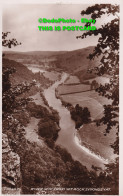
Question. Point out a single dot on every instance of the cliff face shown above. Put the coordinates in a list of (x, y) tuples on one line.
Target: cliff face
[(11, 176)]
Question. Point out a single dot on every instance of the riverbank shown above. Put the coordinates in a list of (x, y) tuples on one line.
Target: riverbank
[(40, 99), (58, 155), (66, 136), (90, 137), (87, 147)]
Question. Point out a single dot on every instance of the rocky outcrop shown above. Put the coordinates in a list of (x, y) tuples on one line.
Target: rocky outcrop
[(11, 176)]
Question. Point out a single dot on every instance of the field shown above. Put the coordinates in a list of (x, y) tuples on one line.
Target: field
[(90, 99), (53, 76), (93, 137), (93, 105), (64, 89), (72, 79), (38, 100)]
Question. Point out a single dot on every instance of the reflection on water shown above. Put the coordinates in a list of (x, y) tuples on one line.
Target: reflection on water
[(67, 133)]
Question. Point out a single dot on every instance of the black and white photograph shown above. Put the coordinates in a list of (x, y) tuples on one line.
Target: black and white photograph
[(60, 98)]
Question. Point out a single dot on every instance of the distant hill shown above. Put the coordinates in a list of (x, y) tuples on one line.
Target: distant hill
[(77, 63), (22, 73), (74, 62), (14, 55)]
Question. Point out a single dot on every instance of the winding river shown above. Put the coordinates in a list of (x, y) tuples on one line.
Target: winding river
[(67, 135)]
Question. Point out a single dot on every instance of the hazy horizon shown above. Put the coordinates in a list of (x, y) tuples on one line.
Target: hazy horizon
[(46, 50)]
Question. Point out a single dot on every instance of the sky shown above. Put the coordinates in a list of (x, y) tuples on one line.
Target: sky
[(22, 21)]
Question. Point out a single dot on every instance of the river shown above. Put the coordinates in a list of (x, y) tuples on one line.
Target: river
[(67, 135)]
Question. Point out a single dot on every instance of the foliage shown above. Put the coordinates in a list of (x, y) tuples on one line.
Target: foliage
[(7, 42), (48, 128), (48, 125), (66, 157), (36, 111), (10, 96), (80, 115), (11, 101), (108, 49), (42, 79)]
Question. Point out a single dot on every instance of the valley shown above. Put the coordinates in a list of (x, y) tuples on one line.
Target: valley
[(50, 135)]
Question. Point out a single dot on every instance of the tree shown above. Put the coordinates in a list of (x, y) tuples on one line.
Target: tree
[(10, 94), (80, 115), (86, 115), (107, 49), (7, 42)]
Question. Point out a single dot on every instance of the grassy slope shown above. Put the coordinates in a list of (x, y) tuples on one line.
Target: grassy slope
[(23, 74), (53, 76), (72, 79), (76, 62), (94, 136), (73, 88), (91, 135)]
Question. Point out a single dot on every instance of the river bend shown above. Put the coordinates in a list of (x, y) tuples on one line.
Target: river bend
[(67, 135)]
